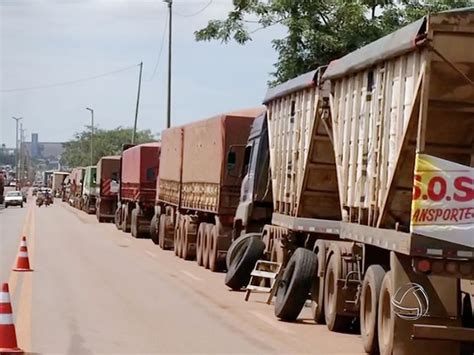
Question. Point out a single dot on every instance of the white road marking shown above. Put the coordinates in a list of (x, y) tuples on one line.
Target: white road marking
[(271, 321), (187, 273), (151, 254)]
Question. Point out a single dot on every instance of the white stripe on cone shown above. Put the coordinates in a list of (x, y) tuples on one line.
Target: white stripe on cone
[(4, 297), (23, 254), (6, 319), (23, 243)]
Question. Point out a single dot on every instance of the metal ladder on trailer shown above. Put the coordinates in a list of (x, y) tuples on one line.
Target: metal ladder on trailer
[(264, 272)]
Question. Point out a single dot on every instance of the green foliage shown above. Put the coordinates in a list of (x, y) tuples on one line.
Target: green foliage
[(319, 31), (105, 142)]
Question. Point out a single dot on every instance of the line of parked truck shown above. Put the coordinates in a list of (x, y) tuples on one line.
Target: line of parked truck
[(357, 178)]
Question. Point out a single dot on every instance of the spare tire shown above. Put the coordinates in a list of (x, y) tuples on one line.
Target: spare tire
[(243, 262), (295, 284), (240, 242)]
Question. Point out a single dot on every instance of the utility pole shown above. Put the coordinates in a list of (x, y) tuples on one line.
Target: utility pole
[(92, 133), (138, 103), (17, 119), (168, 116), (22, 154)]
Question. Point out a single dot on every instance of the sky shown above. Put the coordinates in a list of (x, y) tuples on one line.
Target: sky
[(45, 42)]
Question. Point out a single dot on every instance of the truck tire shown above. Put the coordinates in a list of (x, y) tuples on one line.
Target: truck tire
[(369, 302), (295, 284), (117, 221), (334, 321), (161, 232), (134, 223), (177, 237), (246, 255), (189, 239), (212, 247), (200, 243), (154, 228), (317, 289), (125, 217), (207, 241), (385, 317), (240, 242)]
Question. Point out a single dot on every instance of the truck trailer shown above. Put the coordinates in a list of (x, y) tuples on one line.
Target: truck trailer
[(108, 171), (138, 173), (376, 226), (402, 115), (199, 183), (89, 189), (58, 178), (75, 188)]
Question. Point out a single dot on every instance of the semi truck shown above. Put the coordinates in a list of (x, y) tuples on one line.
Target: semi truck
[(89, 189), (198, 188), (138, 173), (58, 178), (373, 196), (108, 170), (75, 188)]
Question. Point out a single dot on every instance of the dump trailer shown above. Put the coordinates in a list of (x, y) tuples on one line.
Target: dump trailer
[(199, 185), (89, 189), (402, 117), (138, 173), (294, 168), (108, 171), (75, 194), (57, 182)]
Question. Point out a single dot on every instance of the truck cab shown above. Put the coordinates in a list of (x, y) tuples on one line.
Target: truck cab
[(255, 206), (89, 190)]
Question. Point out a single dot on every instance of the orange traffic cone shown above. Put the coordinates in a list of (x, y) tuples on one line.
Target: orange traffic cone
[(22, 262), (8, 342)]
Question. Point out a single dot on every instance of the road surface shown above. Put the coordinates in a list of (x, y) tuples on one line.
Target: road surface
[(95, 289)]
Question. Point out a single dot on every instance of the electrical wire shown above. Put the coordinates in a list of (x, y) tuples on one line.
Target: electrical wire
[(161, 49), (195, 13), (65, 83)]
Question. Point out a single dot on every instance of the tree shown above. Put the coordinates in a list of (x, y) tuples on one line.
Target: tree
[(318, 31), (106, 142)]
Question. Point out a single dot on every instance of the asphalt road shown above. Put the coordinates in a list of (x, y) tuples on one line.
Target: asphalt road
[(98, 290)]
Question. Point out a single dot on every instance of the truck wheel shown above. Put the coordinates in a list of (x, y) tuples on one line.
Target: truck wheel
[(295, 284), (207, 242), (161, 232), (369, 302), (317, 289), (385, 317), (189, 239), (134, 223), (125, 218), (240, 242), (246, 255), (154, 229), (177, 237), (334, 321), (118, 222), (200, 243), (212, 247)]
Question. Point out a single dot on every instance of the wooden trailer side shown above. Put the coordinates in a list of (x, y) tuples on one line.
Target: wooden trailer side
[(302, 163)]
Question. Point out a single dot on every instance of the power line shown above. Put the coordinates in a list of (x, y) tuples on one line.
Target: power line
[(64, 83), (160, 50), (197, 12)]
